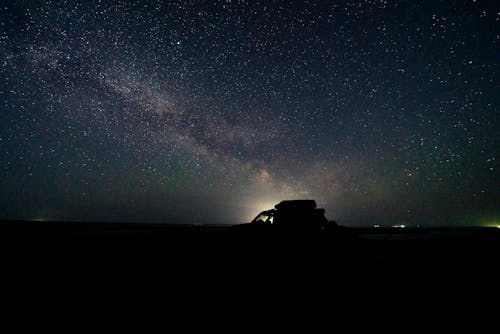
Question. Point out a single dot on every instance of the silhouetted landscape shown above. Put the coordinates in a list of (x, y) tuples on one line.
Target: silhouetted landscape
[(416, 275), (161, 252)]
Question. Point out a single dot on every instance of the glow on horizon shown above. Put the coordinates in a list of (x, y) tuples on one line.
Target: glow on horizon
[(492, 224), (39, 219), (255, 208)]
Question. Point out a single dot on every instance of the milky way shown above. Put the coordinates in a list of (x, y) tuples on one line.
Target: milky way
[(384, 112)]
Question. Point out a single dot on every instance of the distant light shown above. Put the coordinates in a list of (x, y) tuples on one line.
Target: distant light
[(376, 225), (492, 224), (399, 226), (253, 209), (497, 226)]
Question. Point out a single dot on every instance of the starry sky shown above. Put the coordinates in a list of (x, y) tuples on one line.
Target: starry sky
[(207, 112)]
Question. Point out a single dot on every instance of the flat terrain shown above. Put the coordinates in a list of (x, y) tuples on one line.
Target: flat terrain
[(358, 267), (230, 253)]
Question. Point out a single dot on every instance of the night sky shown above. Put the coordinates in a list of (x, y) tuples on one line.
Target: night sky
[(384, 112)]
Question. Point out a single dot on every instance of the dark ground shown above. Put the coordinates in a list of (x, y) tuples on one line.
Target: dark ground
[(416, 273)]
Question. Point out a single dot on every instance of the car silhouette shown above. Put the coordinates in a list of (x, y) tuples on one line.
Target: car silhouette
[(291, 216)]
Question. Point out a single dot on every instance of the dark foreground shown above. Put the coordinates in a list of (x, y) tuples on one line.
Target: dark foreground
[(418, 272)]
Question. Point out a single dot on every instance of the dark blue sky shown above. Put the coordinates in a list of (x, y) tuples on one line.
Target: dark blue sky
[(385, 112)]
